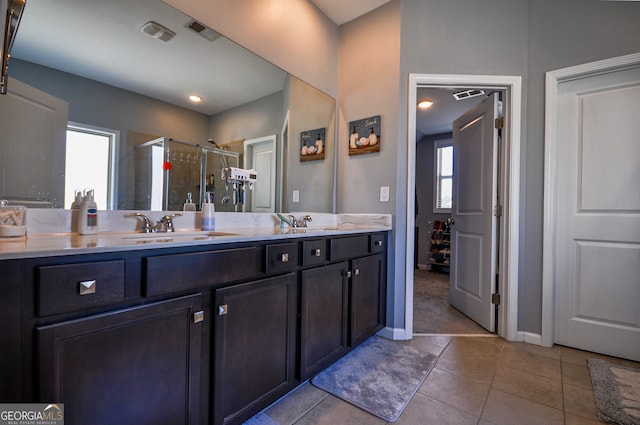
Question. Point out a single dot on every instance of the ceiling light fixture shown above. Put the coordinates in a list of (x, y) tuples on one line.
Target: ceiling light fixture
[(195, 98), (425, 104)]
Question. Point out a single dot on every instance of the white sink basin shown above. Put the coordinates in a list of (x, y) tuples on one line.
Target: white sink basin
[(168, 236)]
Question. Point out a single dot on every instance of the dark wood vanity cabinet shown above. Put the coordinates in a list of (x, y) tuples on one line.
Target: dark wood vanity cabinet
[(135, 366), (324, 311), (342, 303), (254, 354), (207, 334), (367, 298)]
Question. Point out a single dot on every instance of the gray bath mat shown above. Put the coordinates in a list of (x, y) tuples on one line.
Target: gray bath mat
[(617, 392), (379, 376)]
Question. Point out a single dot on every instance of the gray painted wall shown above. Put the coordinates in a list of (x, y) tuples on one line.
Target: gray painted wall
[(310, 109), (561, 34), (369, 57), (527, 38)]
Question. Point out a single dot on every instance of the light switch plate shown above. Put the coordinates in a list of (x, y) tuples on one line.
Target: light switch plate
[(384, 193), (296, 196)]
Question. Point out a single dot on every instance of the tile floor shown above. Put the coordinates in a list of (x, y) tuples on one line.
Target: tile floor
[(476, 381)]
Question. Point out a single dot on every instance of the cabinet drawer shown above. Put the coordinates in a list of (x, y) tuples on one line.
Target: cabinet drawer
[(314, 252), (71, 287), (281, 257), (376, 243), (177, 272), (349, 247)]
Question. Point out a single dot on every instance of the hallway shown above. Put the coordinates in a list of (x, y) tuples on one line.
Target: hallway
[(432, 313)]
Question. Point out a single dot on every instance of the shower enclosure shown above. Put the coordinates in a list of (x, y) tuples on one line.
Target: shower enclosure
[(166, 170)]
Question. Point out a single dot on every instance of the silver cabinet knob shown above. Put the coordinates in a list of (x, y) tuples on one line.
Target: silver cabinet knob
[(87, 287), (357, 272), (198, 316), (317, 252), (222, 309), (284, 258)]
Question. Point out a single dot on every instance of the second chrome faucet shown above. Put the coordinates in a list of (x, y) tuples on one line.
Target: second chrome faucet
[(165, 224)]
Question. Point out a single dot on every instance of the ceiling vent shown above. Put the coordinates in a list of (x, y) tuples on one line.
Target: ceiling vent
[(467, 94), (203, 30), (156, 30)]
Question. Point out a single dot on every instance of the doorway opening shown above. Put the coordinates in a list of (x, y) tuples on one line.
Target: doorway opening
[(507, 271), (439, 245), (260, 155)]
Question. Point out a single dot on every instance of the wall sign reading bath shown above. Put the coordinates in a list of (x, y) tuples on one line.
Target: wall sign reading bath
[(364, 136)]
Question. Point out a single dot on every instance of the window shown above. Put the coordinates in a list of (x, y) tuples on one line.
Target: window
[(443, 179), (90, 162)]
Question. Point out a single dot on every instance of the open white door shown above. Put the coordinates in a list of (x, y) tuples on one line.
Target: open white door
[(260, 155), (473, 241), (596, 262)]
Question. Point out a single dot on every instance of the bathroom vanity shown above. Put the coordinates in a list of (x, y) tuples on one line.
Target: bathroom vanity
[(183, 329)]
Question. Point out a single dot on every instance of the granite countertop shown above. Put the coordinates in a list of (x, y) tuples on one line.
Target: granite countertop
[(44, 241)]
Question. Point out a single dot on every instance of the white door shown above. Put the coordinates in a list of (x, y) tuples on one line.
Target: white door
[(32, 143), (597, 243), (473, 242), (260, 155)]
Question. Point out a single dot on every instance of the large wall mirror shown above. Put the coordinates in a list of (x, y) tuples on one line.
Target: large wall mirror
[(125, 70)]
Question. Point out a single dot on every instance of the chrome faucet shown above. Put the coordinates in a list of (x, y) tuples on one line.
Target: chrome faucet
[(294, 222), (164, 225), (302, 221)]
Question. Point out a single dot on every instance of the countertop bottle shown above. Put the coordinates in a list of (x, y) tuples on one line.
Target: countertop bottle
[(88, 217), (208, 221), (188, 204)]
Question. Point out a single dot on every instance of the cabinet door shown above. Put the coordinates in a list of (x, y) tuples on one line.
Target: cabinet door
[(324, 309), (135, 366), (255, 346), (367, 297)]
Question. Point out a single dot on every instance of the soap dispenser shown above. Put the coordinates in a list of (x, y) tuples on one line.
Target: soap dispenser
[(188, 204), (88, 219), (208, 221)]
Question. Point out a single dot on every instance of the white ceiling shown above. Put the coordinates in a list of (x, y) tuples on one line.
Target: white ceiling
[(439, 118), (342, 11)]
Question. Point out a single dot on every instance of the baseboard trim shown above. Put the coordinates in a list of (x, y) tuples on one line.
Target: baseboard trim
[(424, 266), (530, 338), (396, 334)]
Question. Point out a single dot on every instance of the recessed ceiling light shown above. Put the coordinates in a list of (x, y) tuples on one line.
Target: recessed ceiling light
[(425, 104), (195, 98)]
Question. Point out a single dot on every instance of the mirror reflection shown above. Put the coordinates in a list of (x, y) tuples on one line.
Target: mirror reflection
[(107, 71)]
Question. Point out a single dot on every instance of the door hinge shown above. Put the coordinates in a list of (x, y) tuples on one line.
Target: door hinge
[(495, 298), (499, 123), (497, 211)]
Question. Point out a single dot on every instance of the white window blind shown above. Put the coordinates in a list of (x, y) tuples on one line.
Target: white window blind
[(443, 181)]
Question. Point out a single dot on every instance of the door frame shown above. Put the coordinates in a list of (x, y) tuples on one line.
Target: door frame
[(248, 144), (553, 79), (509, 175)]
